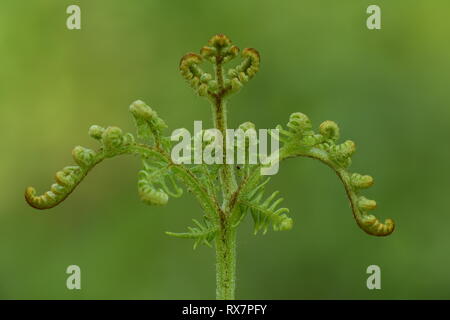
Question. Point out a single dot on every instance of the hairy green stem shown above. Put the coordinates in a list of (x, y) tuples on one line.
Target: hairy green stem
[(226, 239), (220, 122), (226, 263)]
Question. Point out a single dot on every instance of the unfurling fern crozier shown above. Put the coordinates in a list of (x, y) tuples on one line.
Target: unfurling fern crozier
[(226, 193)]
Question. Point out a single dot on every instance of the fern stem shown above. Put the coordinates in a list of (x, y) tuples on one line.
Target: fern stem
[(228, 179), (226, 263), (226, 237)]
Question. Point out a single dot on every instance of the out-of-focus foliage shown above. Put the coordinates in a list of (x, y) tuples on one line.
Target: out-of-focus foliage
[(387, 90)]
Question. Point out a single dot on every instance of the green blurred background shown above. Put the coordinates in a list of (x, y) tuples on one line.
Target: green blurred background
[(387, 89)]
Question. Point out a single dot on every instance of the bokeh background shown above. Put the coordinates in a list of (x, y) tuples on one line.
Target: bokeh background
[(387, 89)]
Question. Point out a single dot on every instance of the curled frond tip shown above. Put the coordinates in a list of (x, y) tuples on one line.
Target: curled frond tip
[(219, 51)]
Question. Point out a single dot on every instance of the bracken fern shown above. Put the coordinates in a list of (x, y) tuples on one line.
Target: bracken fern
[(242, 188)]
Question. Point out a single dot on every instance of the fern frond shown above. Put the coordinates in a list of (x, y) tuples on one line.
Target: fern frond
[(198, 79), (266, 212), (301, 141), (219, 51), (152, 185), (201, 233), (113, 142), (242, 73), (148, 123)]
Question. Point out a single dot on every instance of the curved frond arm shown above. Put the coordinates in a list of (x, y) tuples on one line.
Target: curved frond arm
[(66, 181), (198, 79), (245, 71), (301, 141), (114, 143), (201, 233)]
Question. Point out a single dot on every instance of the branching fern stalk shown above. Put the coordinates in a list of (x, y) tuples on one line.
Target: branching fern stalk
[(242, 188)]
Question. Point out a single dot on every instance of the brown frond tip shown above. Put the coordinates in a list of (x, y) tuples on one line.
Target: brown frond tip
[(189, 59), (208, 52), (219, 47), (251, 53), (219, 41)]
